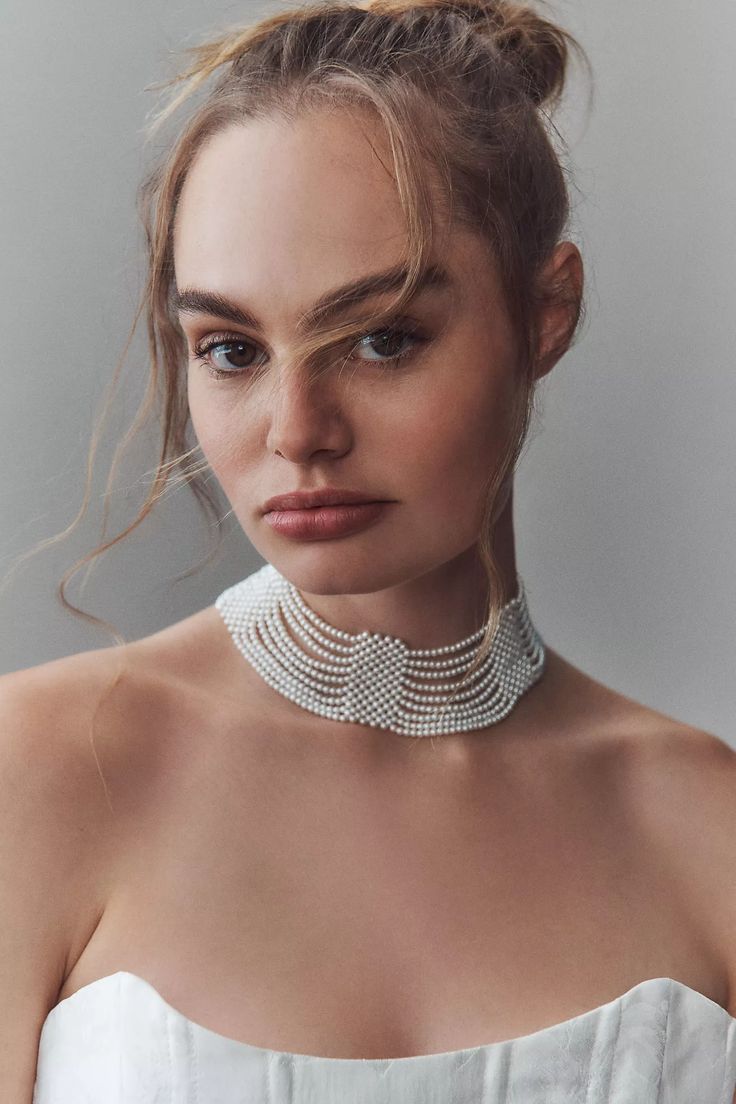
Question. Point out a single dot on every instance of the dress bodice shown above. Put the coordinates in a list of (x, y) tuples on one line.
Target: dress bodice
[(117, 1040)]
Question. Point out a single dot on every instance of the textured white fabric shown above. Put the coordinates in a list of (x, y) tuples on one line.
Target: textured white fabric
[(117, 1041)]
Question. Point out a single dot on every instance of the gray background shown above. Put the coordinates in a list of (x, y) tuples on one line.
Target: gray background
[(625, 495)]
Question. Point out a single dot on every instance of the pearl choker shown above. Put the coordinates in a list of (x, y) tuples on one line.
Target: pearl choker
[(373, 679)]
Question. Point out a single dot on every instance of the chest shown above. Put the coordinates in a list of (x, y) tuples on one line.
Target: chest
[(360, 906)]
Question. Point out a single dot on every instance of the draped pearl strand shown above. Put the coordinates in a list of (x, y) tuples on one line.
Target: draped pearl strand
[(376, 680)]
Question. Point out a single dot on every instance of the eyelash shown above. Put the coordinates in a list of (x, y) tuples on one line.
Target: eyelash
[(203, 348)]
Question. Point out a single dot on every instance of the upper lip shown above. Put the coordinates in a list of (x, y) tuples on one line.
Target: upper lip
[(324, 496)]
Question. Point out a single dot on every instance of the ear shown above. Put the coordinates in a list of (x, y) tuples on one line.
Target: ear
[(561, 289)]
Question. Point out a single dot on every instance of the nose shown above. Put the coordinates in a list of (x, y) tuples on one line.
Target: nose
[(306, 419)]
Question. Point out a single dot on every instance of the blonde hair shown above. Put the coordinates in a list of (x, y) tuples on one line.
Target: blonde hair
[(461, 86)]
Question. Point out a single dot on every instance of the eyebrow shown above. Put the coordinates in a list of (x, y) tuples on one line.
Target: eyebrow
[(200, 301)]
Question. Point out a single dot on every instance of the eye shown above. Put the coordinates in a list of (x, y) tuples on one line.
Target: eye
[(220, 345), (392, 336), (235, 353)]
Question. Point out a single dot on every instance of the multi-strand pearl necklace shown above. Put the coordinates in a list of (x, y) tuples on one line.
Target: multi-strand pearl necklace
[(373, 679)]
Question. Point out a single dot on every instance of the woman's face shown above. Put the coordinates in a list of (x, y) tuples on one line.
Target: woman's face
[(273, 216)]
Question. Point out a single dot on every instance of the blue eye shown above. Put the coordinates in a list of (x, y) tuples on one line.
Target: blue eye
[(227, 347)]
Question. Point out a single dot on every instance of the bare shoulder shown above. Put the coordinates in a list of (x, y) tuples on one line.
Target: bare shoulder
[(49, 770), (55, 836), (681, 773), (79, 759), (682, 781), (89, 726), (44, 721), (675, 784), (78, 733), (677, 780), (77, 736), (679, 786), (674, 773), (608, 719), (84, 724)]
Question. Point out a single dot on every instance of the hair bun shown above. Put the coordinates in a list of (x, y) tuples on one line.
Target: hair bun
[(538, 48)]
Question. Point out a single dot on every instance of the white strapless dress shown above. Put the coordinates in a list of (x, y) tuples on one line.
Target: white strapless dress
[(117, 1041)]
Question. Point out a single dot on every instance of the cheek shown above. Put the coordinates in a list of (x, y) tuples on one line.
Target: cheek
[(221, 428), (199, 409), (450, 438)]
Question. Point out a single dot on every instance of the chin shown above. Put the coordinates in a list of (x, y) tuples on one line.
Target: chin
[(329, 567)]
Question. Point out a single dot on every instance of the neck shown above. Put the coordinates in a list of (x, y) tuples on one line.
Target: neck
[(435, 609)]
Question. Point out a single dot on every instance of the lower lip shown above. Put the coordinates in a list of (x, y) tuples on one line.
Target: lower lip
[(324, 522)]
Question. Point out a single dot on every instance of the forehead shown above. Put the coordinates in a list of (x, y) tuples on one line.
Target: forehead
[(311, 192), (284, 209)]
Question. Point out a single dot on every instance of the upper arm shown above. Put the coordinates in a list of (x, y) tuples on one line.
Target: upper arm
[(47, 877)]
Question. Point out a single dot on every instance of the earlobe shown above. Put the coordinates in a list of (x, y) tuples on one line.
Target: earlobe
[(561, 283)]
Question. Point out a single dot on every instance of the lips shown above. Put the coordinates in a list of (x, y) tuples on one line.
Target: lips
[(327, 496), (325, 522)]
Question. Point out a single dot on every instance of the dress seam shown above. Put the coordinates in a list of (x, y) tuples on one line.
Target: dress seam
[(728, 1087), (193, 1063), (670, 989), (170, 1078)]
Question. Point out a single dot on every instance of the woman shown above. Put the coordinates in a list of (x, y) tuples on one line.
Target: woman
[(362, 835)]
